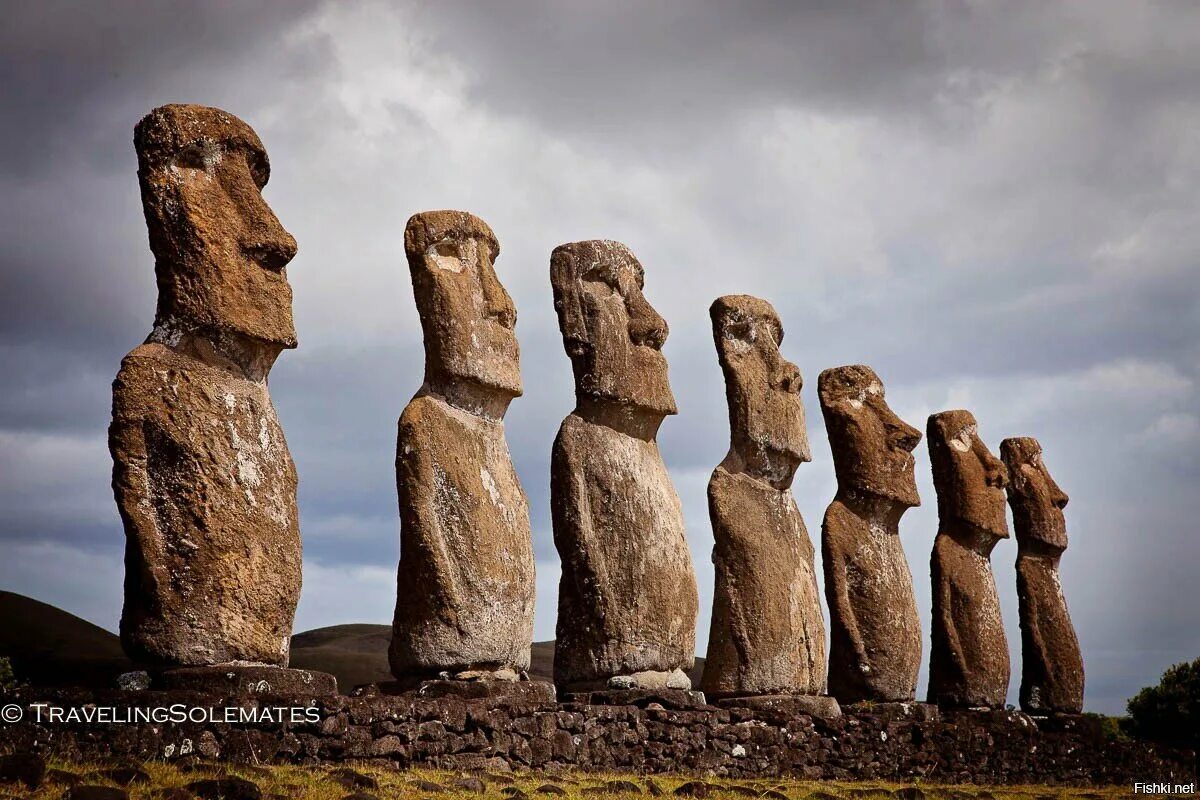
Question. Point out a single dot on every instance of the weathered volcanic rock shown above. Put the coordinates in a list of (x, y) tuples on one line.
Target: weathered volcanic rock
[(239, 680), (968, 660), (466, 576), (201, 471), (767, 634), (627, 602), (1051, 663), (875, 633)]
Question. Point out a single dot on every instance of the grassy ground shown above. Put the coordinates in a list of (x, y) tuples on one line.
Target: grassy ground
[(330, 783)]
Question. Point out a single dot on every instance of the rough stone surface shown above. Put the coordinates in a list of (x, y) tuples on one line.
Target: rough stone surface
[(875, 632), (642, 698), (202, 476), (466, 577), (1051, 662), (239, 680), (896, 742), (495, 692), (786, 706), (627, 599), (767, 634), (968, 659)]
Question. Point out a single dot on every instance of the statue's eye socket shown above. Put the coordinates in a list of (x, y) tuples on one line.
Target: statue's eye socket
[(601, 273), (740, 330), (447, 249), (192, 157)]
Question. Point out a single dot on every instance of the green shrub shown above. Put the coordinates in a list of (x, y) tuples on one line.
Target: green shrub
[(1170, 711), (8, 681)]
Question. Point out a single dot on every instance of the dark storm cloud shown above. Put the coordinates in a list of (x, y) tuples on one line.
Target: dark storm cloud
[(991, 203)]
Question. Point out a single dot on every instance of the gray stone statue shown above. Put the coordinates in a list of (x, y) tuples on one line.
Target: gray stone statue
[(465, 584), (767, 635), (627, 601), (875, 636), (968, 662), (1051, 662)]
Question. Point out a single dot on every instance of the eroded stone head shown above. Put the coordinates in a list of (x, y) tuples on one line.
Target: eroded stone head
[(872, 447), (219, 250), (467, 317), (612, 334), (1037, 501), (766, 416), (969, 480)]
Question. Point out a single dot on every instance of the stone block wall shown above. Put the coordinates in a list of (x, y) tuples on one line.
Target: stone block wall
[(881, 743)]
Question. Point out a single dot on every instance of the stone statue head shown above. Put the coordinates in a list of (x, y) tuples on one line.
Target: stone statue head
[(872, 447), (766, 417), (466, 315), (969, 480), (612, 334), (219, 250), (1036, 500)]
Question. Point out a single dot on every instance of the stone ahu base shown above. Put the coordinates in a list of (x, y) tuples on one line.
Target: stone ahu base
[(493, 693), (786, 706), (236, 680), (897, 742)]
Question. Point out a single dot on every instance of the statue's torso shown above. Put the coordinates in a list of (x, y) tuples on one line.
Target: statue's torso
[(969, 665), (627, 599), (767, 632), (466, 575), (1052, 676), (207, 491), (884, 608)]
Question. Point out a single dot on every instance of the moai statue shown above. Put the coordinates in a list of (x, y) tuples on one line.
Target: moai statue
[(767, 635), (627, 600), (875, 637), (968, 663), (201, 472), (464, 606), (1051, 664)]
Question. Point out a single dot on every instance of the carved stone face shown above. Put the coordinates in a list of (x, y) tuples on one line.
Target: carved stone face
[(766, 416), (969, 480), (219, 250), (1037, 501), (612, 334), (466, 315), (872, 447)]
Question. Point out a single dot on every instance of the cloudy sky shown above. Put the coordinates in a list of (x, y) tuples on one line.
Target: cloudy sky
[(993, 204)]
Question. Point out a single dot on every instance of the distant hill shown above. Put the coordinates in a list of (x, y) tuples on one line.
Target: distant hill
[(50, 647)]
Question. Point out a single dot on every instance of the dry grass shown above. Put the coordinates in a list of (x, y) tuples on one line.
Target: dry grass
[(316, 783)]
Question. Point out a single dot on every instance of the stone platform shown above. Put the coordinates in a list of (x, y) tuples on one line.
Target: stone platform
[(452, 732)]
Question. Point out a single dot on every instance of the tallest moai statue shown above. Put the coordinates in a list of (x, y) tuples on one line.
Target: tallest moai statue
[(627, 600), (201, 472)]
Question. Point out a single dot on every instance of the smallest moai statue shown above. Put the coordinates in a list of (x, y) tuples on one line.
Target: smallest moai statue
[(968, 665), (1051, 663), (767, 635)]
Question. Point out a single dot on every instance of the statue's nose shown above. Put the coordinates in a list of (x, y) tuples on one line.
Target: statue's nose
[(274, 252), (499, 304), (646, 326)]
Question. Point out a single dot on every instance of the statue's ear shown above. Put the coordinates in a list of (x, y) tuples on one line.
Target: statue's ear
[(567, 301)]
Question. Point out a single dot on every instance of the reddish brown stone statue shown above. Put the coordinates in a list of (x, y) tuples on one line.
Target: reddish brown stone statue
[(1051, 664), (767, 634), (968, 663), (201, 472), (875, 636), (627, 601), (464, 606)]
